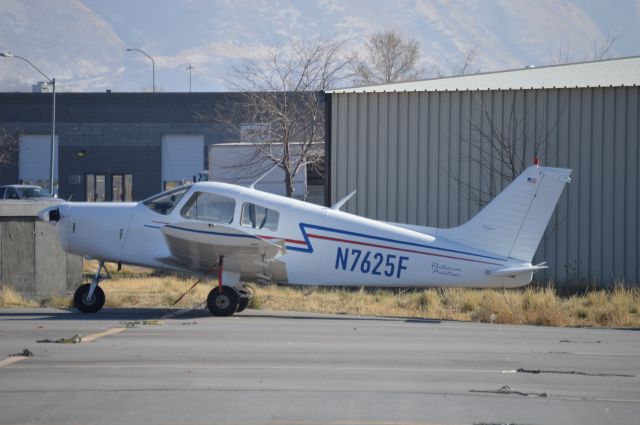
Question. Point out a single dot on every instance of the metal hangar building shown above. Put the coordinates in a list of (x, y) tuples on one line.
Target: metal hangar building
[(433, 152)]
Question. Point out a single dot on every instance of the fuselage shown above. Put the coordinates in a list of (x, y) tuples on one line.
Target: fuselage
[(324, 246)]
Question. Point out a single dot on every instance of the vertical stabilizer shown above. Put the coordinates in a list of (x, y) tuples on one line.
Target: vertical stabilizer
[(513, 223)]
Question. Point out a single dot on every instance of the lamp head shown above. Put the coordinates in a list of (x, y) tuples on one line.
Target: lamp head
[(6, 54)]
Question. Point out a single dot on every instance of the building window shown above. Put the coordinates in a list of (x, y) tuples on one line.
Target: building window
[(258, 217), (122, 188), (209, 207), (128, 187), (95, 187), (117, 192)]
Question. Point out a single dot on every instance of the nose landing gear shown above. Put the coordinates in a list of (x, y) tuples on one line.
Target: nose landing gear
[(89, 298)]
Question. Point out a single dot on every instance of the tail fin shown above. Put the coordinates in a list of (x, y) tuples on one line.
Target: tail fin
[(513, 223)]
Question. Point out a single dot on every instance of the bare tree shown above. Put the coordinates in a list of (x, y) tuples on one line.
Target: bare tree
[(281, 110), (8, 146), (466, 65), (602, 49), (501, 148), (389, 57)]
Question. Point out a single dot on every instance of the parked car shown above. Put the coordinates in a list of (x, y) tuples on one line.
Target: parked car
[(25, 191)]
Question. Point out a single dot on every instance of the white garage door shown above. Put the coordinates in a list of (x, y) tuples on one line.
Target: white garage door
[(182, 158), (34, 160)]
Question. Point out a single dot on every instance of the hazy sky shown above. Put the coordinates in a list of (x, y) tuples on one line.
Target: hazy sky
[(82, 42)]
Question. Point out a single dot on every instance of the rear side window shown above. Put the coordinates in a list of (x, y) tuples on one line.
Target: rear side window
[(258, 217), (209, 207)]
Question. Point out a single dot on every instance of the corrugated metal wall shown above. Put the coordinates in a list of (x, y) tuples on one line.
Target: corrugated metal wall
[(421, 158)]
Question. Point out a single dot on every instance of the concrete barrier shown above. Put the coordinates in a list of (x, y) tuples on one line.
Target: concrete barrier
[(31, 259)]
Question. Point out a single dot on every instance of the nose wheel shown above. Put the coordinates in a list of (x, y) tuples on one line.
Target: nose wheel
[(88, 303), (89, 298)]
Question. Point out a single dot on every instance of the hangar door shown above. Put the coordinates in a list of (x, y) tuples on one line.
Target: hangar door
[(34, 160), (182, 158)]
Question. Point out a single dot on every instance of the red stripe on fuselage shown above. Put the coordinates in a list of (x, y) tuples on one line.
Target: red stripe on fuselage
[(286, 240), (398, 249)]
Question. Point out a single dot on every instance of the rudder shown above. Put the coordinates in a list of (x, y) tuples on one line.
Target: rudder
[(513, 223)]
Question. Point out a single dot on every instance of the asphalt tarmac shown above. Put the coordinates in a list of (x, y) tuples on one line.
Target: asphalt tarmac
[(296, 368)]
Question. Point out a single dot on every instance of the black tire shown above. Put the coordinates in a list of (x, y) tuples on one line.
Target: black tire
[(242, 304), (85, 305), (222, 301)]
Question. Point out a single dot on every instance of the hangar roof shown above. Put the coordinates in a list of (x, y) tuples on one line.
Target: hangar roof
[(605, 73)]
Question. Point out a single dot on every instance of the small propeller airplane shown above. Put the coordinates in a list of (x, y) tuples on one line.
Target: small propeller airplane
[(242, 233)]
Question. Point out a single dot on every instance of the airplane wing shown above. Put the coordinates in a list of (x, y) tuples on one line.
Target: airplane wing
[(197, 246)]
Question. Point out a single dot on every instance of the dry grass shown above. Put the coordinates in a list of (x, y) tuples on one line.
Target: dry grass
[(533, 305), (9, 298), (154, 292)]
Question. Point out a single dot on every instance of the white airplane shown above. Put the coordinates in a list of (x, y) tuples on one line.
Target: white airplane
[(242, 233)]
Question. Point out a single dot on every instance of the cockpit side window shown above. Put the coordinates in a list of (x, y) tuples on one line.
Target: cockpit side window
[(165, 202), (209, 207), (258, 217)]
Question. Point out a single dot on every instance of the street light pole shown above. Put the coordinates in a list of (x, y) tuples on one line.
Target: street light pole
[(53, 132), (51, 81), (190, 68), (153, 65)]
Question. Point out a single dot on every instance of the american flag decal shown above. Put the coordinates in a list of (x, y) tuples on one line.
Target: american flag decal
[(531, 179)]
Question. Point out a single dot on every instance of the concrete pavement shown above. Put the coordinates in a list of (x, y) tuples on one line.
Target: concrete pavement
[(285, 368)]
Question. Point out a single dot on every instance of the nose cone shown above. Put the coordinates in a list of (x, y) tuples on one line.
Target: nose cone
[(50, 214), (56, 216)]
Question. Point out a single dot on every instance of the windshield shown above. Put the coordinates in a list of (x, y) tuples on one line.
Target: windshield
[(165, 202), (33, 192)]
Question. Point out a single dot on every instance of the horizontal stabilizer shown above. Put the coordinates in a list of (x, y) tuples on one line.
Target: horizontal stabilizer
[(515, 271)]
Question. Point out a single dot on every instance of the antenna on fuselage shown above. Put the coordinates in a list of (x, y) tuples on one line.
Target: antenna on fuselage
[(252, 186), (342, 201)]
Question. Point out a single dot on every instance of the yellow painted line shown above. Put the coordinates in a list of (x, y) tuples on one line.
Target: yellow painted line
[(11, 360), (112, 331)]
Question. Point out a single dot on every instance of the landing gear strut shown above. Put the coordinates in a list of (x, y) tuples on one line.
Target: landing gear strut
[(228, 297), (89, 298)]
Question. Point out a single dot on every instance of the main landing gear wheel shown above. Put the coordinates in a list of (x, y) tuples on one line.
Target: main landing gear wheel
[(86, 304), (242, 304), (223, 301)]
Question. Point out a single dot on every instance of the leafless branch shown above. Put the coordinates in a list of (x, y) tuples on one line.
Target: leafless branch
[(388, 57), (280, 110), (8, 145), (602, 49), (501, 148), (466, 65)]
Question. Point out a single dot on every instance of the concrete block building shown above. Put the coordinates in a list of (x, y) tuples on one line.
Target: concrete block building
[(114, 146), (31, 259)]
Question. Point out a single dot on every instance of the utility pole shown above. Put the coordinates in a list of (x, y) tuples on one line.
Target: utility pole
[(190, 68)]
